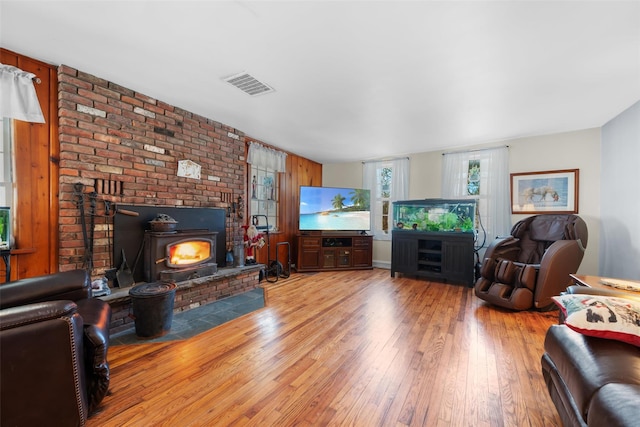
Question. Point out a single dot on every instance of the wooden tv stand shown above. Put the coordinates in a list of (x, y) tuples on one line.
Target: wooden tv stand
[(326, 252)]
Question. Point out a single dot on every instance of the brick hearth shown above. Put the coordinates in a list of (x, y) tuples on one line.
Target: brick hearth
[(189, 294)]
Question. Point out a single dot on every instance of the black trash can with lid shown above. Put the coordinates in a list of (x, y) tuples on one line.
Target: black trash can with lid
[(153, 308)]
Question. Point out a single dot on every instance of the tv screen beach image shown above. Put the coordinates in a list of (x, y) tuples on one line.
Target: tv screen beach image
[(327, 208)]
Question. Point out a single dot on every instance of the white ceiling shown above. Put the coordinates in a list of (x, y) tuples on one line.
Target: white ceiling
[(354, 80)]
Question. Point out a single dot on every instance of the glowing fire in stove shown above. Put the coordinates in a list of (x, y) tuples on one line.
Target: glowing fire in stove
[(189, 252)]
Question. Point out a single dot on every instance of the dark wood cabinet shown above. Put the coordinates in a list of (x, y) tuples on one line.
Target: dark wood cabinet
[(334, 252), (435, 255), (310, 252), (362, 252)]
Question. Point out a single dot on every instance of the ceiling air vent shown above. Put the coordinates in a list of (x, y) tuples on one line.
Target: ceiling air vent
[(248, 84)]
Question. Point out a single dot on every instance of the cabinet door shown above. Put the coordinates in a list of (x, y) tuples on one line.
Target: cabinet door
[(457, 260), (362, 257), (310, 258), (362, 252), (344, 258), (329, 258), (404, 255), (309, 253)]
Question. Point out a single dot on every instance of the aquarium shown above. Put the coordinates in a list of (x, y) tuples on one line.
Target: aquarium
[(456, 215)]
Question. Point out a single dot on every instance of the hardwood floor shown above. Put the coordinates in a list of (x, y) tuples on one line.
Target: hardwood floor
[(355, 348)]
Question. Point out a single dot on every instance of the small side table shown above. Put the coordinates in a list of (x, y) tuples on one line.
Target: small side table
[(6, 256), (595, 281)]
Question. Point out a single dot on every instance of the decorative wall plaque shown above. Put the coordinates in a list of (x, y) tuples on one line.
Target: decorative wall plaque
[(188, 169)]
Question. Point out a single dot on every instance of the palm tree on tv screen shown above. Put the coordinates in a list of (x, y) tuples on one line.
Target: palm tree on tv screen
[(338, 202), (360, 197)]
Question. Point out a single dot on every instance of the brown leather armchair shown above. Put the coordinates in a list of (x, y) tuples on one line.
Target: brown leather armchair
[(592, 381), (54, 340), (533, 264)]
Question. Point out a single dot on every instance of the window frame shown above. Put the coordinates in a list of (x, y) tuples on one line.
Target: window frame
[(264, 198), (7, 183), (381, 202)]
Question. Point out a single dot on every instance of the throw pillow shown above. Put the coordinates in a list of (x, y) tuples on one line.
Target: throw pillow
[(602, 316)]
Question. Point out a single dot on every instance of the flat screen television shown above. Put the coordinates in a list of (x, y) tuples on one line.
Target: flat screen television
[(334, 209)]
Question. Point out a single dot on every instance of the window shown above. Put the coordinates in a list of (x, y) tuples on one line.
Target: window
[(384, 195), (264, 183), (482, 175), (6, 182), (264, 194), (388, 181), (6, 186)]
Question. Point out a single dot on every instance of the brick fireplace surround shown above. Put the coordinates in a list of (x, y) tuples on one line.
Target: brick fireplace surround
[(125, 146)]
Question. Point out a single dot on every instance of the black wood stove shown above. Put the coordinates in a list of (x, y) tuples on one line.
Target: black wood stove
[(179, 255)]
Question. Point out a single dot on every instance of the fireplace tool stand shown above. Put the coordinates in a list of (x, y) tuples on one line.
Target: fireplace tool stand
[(274, 268)]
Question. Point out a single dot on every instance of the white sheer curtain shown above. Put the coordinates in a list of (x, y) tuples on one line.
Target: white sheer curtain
[(493, 198), (267, 158), (399, 190), (18, 99)]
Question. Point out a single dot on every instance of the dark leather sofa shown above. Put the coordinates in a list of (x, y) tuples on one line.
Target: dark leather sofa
[(54, 339), (592, 381)]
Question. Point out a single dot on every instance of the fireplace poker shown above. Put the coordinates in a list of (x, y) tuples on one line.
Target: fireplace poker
[(138, 256), (78, 193), (93, 196), (108, 215)]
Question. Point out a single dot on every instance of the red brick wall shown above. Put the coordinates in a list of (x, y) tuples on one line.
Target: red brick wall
[(126, 146)]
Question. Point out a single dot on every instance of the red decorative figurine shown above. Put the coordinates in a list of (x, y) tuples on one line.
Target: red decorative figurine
[(252, 239)]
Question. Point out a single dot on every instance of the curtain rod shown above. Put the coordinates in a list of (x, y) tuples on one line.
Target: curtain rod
[(386, 160), (473, 151)]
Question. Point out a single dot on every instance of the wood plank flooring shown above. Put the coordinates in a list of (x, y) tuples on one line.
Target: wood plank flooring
[(352, 348)]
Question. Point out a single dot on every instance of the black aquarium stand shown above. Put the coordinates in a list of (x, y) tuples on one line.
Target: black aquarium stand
[(440, 256)]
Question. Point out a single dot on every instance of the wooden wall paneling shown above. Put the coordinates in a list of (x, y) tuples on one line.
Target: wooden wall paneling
[(36, 172), (307, 172), (300, 171), (54, 171), (293, 200), (287, 198)]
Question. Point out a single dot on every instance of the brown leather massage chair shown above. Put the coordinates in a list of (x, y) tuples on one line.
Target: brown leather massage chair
[(527, 268)]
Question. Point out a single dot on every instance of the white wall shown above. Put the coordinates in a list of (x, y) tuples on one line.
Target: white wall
[(570, 150), (620, 200)]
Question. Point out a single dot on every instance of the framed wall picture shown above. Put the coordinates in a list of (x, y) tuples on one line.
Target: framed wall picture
[(545, 192)]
